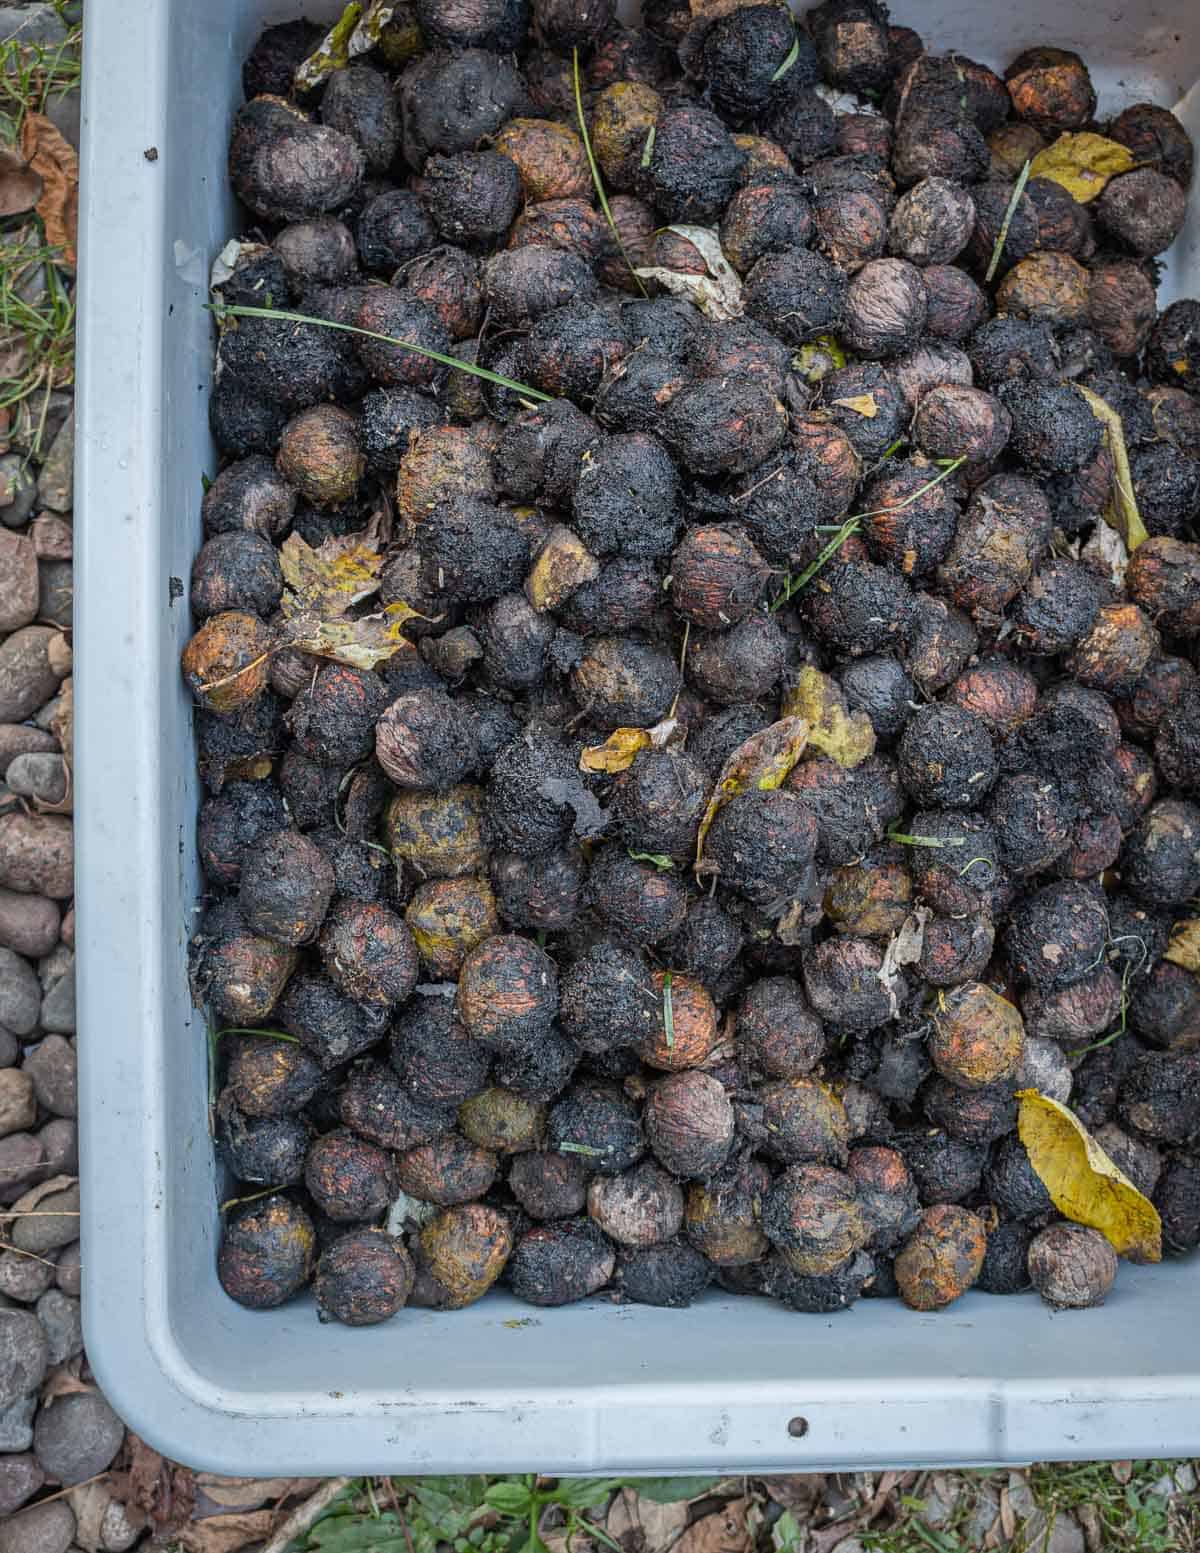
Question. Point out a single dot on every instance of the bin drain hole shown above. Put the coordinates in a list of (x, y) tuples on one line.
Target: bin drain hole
[(797, 1428)]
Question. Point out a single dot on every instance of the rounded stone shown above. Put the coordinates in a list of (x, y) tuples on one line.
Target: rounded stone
[(20, 994), (55, 1224), (18, 581), (27, 680), (41, 776), (30, 924), (23, 1355), (62, 1323), (18, 739), (18, 1107), (20, 1478), (67, 1273), (43, 1528), (60, 1142), (24, 1278), (16, 1423), (52, 1069), (77, 1437), (21, 1159), (10, 1048), (37, 853)]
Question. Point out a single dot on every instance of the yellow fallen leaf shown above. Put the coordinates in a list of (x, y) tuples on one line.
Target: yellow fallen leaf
[(1082, 164), (1084, 1184), (1184, 948), (1121, 513), (364, 643), (618, 751), (847, 738), (863, 403), (763, 761)]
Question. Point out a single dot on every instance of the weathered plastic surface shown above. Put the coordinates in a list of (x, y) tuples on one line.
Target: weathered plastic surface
[(585, 1389)]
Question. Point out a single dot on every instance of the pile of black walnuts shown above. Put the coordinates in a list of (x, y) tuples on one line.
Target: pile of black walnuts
[(860, 440)]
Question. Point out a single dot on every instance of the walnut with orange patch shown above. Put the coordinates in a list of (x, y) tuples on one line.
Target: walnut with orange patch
[(999, 693), (272, 1078), (267, 1254), (369, 953), (1116, 651), (225, 664), (441, 462), (349, 1178), (869, 899), (450, 917), (321, 455), (813, 1217), (1051, 89), (977, 1036), (465, 1249), (572, 224), (364, 1277), (887, 1193), (717, 576), (943, 1258), (1050, 286), (1164, 579), (448, 1170), (777, 1033), (827, 456), (508, 993), (241, 974), (550, 159), (723, 1215), (763, 160), (805, 1122), (693, 1031)]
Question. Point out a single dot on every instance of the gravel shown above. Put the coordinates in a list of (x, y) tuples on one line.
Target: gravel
[(23, 1350), (16, 1424), (53, 537), (20, 1479), (18, 581), (60, 1141), (63, 1324), (18, 1107), (56, 1224), (10, 1048), (56, 592), (42, 776), (20, 995), (52, 1069), (66, 1274), (58, 1010), (37, 851), (21, 1157), (43, 1528), (30, 924), (24, 1278), (17, 486), (56, 481), (27, 680), (19, 739), (77, 1437)]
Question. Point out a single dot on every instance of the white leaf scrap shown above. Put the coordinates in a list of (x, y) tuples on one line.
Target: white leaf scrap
[(904, 948), (718, 294)]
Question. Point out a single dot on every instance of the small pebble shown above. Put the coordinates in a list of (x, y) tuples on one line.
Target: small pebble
[(16, 1424), (27, 680), (20, 1479), (68, 928), (19, 739), (18, 1107), (10, 1048), (58, 1007), (24, 1278), (77, 1437), (43, 1528), (60, 1141), (61, 1320), (52, 1068), (18, 581), (53, 537), (67, 1273), (21, 1158), (56, 1223), (37, 852), (39, 776), (23, 1350), (56, 592), (56, 481), (20, 995), (32, 24), (30, 924), (121, 1526), (54, 965), (18, 491)]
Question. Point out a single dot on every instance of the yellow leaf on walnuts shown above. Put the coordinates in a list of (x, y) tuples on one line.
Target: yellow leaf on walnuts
[(1184, 948), (1082, 164), (863, 404), (618, 751), (845, 737), (1084, 1184), (763, 761)]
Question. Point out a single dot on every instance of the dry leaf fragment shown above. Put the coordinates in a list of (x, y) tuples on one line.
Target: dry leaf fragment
[(1184, 948), (1084, 1184), (642, 1526), (848, 738), (326, 581), (88, 1503), (1122, 512), (618, 751), (333, 51), (53, 158), (20, 186), (719, 293), (763, 761), (215, 1493), (225, 1533), (63, 1381), (724, 1532), (363, 643), (862, 404), (1082, 164)]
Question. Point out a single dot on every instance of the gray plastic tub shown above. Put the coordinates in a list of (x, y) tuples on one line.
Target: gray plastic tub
[(731, 1385)]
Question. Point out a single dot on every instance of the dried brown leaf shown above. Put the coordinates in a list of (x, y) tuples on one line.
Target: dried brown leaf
[(53, 158), (1184, 948), (64, 1380), (1122, 1471), (799, 1491), (1008, 1516), (723, 1532), (215, 1493), (62, 724), (20, 186), (641, 1526), (225, 1533), (88, 1503)]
